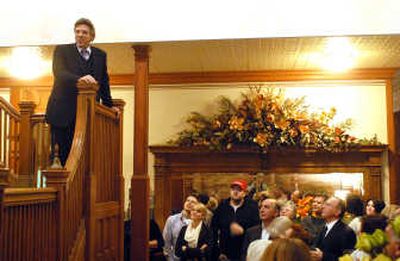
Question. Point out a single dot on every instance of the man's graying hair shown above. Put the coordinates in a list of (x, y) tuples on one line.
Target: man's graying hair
[(87, 22)]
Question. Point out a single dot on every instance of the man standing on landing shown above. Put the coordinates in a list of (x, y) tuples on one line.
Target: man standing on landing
[(73, 65)]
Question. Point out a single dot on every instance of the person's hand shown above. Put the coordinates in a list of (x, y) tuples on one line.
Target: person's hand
[(117, 111), (184, 248), (153, 244), (222, 257), (88, 79), (316, 255), (236, 229), (203, 247)]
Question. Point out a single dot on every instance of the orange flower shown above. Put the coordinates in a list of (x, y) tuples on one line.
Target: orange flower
[(338, 131), (282, 124), (236, 123), (217, 124), (270, 117), (293, 132), (261, 139), (304, 128)]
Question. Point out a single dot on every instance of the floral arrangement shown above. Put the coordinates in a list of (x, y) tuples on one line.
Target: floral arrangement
[(265, 119), (304, 207)]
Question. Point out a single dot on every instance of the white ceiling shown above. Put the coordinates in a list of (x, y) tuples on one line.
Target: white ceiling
[(243, 54)]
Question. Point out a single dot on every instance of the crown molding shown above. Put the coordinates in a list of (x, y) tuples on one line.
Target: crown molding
[(223, 77)]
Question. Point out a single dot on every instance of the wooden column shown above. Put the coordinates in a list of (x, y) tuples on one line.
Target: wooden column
[(26, 168), (393, 160), (140, 181)]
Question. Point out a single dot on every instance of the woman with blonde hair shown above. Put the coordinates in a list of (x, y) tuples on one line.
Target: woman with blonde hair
[(287, 249), (195, 240)]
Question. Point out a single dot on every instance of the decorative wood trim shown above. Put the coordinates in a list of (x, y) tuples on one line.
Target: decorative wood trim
[(29, 196), (268, 76), (9, 82), (224, 76)]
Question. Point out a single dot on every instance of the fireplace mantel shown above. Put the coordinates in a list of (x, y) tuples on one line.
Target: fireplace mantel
[(174, 167)]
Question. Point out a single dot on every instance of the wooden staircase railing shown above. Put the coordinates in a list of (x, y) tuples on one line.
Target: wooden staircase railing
[(24, 142), (29, 224), (10, 120), (91, 185), (80, 215)]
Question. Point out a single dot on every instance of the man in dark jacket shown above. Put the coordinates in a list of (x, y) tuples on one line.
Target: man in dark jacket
[(73, 65), (269, 210), (231, 220), (314, 223), (336, 237)]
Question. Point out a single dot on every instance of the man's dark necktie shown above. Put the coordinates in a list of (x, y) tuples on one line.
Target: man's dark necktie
[(324, 231)]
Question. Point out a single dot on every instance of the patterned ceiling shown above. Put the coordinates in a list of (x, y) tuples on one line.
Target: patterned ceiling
[(244, 54)]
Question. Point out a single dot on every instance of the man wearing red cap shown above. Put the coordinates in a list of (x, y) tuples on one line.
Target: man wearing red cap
[(231, 219)]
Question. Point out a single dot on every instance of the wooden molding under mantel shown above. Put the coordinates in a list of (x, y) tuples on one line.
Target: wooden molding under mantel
[(223, 77)]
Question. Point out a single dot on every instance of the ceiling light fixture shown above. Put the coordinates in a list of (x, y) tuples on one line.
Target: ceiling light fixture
[(339, 55), (27, 63)]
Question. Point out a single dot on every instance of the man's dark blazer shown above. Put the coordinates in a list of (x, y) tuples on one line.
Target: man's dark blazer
[(252, 234), (313, 225), (68, 67), (340, 238)]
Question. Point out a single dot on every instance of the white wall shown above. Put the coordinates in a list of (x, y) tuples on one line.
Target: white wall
[(364, 102)]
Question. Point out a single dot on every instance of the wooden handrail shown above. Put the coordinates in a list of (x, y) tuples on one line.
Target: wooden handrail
[(106, 111), (10, 109), (29, 196), (72, 181)]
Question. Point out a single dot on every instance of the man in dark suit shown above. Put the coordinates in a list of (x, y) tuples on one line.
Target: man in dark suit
[(336, 237), (314, 223), (269, 210), (73, 65)]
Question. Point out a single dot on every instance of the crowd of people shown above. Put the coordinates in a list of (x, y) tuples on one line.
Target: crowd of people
[(273, 225)]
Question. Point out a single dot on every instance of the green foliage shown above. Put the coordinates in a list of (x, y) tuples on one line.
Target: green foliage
[(265, 119)]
